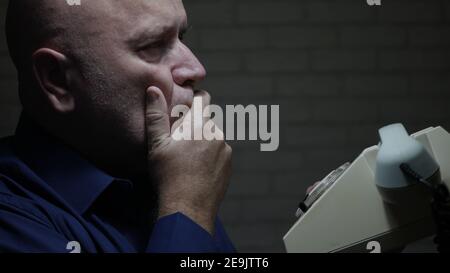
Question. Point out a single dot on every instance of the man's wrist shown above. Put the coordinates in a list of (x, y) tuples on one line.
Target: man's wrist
[(205, 220)]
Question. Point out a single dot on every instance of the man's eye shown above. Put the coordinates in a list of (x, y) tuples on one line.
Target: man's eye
[(153, 45), (182, 35), (154, 51)]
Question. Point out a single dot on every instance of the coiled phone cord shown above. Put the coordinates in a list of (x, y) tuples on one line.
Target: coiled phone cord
[(440, 205)]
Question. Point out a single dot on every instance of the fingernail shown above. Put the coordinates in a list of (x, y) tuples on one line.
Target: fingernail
[(152, 92)]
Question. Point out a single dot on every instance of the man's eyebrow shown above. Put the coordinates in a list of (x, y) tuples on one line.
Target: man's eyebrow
[(148, 34)]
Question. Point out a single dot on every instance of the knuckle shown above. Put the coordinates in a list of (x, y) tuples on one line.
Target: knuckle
[(204, 94), (207, 96)]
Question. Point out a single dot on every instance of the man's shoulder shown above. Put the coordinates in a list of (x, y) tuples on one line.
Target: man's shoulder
[(13, 193), (10, 165), (17, 201), (7, 162)]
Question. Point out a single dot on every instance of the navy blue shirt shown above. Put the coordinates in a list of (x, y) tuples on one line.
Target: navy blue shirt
[(52, 200)]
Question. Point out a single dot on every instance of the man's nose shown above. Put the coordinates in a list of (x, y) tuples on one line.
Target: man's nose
[(187, 69)]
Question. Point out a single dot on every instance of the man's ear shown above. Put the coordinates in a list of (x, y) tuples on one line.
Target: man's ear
[(51, 70)]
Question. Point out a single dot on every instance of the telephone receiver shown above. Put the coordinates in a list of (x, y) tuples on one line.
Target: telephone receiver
[(398, 149), (378, 203)]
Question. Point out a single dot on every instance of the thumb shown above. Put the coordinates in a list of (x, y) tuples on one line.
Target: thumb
[(156, 117)]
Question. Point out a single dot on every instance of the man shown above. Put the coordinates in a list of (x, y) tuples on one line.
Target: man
[(92, 166)]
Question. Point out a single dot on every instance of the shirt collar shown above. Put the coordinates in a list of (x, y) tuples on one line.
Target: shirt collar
[(75, 179)]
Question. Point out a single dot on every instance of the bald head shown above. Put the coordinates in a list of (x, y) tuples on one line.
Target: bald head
[(28, 25), (32, 24)]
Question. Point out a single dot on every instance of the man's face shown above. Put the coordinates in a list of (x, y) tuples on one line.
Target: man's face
[(127, 47)]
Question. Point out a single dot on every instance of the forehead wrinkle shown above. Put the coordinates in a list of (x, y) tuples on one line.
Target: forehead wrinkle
[(148, 30), (146, 17)]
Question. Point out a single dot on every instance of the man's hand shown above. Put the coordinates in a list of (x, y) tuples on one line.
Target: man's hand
[(192, 175)]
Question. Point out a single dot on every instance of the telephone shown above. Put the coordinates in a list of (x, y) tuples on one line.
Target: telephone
[(381, 201)]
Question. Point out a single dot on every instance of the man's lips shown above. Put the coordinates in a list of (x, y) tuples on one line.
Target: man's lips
[(183, 96)]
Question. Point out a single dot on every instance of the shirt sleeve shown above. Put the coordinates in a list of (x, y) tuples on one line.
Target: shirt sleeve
[(177, 233), (24, 232)]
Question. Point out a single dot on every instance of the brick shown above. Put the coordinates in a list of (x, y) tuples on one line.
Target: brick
[(417, 110), (254, 160), (239, 86), (293, 185), (415, 59), (327, 160), (345, 111), (231, 210), (413, 126), (257, 237), (233, 39), (192, 38), (340, 11), (337, 60), (249, 185), (268, 209), (295, 111), (205, 12), (366, 36), (300, 37), (277, 61), (430, 36), (435, 86), (220, 62), (270, 12), (308, 86), (376, 86), (410, 11), (313, 136), (364, 136)]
